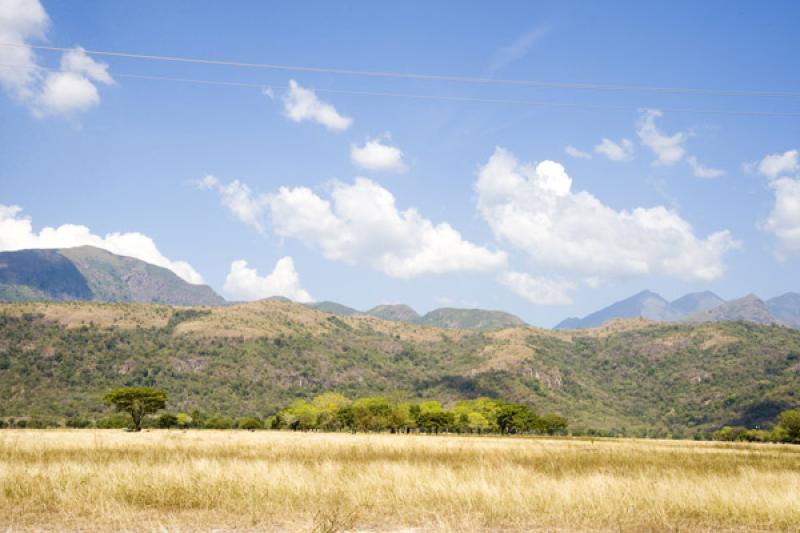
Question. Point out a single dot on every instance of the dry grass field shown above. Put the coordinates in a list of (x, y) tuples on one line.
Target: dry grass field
[(110, 480)]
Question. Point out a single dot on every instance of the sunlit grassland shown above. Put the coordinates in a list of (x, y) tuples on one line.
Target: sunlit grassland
[(233, 480)]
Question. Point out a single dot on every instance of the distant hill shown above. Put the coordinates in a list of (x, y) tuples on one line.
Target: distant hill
[(750, 308), (334, 308), (645, 304), (89, 273), (400, 312), (696, 301), (444, 317), (786, 308), (634, 377), (448, 317), (695, 307)]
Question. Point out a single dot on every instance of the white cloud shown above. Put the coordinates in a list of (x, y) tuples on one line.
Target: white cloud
[(784, 220), (77, 62), (622, 151), (668, 148), (701, 171), (66, 91), (16, 233), (574, 234), (362, 225), (20, 22), (302, 104), (239, 199), (244, 283), (775, 165), (576, 153), (375, 155), (541, 291)]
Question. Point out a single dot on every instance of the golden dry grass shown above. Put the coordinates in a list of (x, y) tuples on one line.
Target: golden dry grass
[(201, 480)]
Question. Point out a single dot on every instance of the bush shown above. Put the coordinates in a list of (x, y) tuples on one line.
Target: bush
[(250, 422), (78, 422), (167, 421), (218, 422), (790, 422), (755, 435), (118, 421), (729, 434)]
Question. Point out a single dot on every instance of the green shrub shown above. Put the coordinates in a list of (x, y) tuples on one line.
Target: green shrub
[(218, 422), (167, 421), (117, 421), (729, 434), (183, 420), (790, 422), (250, 422), (78, 422)]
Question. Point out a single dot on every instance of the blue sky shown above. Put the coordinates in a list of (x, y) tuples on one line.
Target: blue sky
[(676, 200)]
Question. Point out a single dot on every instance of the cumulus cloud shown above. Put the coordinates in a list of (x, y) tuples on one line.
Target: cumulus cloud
[(302, 104), (16, 233), (244, 283), (20, 22), (576, 153), (540, 291), (622, 151), (362, 225), (375, 155), (784, 220), (667, 148), (67, 91), (239, 199), (784, 164), (701, 171), (534, 209)]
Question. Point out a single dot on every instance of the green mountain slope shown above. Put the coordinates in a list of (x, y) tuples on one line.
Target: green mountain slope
[(88, 273), (634, 377), (400, 312), (40, 275), (448, 317)]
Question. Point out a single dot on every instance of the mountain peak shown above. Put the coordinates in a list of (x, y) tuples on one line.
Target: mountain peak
[(399, 312), (91, 273)]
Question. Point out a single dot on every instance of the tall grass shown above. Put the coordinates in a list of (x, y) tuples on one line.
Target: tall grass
[(230, 480)]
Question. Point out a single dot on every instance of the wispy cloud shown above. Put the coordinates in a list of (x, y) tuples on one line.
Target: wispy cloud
[(505, 55)]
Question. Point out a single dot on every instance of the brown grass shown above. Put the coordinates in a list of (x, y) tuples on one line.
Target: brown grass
[(201, 480)]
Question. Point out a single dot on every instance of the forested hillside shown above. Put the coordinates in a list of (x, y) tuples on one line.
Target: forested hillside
[(633, 377)]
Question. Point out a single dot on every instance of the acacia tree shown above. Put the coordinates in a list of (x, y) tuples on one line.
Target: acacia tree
[(137, 402)]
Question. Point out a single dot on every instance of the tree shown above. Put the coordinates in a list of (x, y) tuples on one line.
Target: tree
[(515, 418), (790, 422), (167, 421), (250, 423), (551, 424), (137, 402)]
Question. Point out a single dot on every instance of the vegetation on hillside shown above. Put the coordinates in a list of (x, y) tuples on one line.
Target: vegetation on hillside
[(57, 360)]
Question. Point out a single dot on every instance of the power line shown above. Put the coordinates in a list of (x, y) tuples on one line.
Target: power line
[(449, 98), (427, 77)]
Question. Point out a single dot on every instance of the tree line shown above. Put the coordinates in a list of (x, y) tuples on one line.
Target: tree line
[(335, 412), (331, 411)]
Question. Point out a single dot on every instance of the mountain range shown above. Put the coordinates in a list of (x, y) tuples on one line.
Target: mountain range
[(89, 273), (695, 307), (443, 317)]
